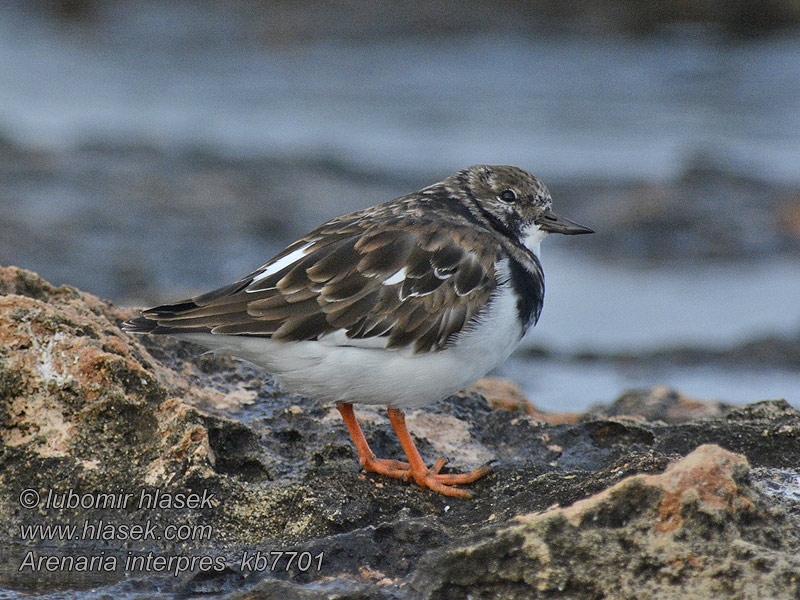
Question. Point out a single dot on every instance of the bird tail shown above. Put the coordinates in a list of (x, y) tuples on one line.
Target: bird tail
[(148, 322)]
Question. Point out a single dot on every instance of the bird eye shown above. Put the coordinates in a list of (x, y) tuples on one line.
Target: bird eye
[(508, 196)]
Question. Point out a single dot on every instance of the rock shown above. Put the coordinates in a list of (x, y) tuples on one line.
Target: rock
[(659, 404), (676, 221), (283, 23), (107, 194), (502, 394), (103, 197), (691, 531), (772, 351), (89, 414)]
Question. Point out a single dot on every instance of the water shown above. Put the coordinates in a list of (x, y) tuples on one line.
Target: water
[(605, 308), (567, 108), (564, 107), (565, 386), (602, 308)]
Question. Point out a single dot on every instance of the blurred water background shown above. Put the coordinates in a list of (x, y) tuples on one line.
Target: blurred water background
[(150, 150)]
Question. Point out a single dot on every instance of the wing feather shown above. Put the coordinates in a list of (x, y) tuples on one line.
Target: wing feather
[(416, 283)]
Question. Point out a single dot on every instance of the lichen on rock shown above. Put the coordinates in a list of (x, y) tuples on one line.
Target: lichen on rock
[(621, 503), (683, 533)]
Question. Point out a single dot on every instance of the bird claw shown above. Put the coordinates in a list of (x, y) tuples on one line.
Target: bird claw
[(431, 478)]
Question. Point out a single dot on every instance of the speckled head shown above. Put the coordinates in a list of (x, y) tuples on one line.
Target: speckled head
[(514, 201)]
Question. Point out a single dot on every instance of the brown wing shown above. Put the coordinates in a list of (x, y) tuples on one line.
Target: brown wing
[(417, 286)]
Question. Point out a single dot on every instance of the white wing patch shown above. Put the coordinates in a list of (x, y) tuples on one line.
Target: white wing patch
[(284, 262), (397, 277)]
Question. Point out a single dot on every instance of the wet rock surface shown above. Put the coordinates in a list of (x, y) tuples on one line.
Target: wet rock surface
[(633, 501), (768, 352), (114, 200), (659, 404), (680, 219), (279, 23), (109, 200)]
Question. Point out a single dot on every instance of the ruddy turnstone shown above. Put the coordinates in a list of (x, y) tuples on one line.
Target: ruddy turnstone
[(401, 304)]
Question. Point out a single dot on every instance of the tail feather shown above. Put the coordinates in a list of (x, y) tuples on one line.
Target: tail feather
[(140, 325), (197, 315), (154, 320)]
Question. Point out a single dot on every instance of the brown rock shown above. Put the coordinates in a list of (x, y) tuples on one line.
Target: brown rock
[(684, 533), (74, 386), (88, 408), (503, 394), (706, 478), (659, 404)]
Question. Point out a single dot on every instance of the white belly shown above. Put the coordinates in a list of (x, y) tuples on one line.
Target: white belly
[(374, 375)]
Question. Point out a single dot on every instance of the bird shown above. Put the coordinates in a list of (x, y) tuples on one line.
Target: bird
[(401, 304)]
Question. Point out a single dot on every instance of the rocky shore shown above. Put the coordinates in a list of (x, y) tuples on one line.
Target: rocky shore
[(653, 496), (300, 19), (111, 201)]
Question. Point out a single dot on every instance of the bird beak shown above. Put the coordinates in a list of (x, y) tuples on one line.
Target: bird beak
[(552, 223)]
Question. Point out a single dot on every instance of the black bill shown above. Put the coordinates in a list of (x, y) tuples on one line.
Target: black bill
[(552, 223)]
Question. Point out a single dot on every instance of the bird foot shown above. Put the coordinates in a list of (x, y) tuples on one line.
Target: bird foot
[(431, 478)]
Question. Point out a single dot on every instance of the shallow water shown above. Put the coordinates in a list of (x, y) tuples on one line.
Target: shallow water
[(566, 386), (603, 308), (591, 306), (563, 107)]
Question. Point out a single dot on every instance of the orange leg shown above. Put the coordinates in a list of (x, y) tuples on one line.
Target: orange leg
[(369, 462), (429, 478)]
